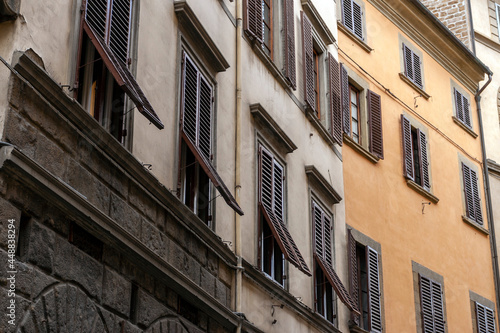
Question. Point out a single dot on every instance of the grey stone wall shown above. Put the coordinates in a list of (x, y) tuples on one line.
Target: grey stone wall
[(72, 280)]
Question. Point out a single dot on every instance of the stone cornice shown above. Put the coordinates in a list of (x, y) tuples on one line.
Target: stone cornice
[(322, 184), (486, 41)]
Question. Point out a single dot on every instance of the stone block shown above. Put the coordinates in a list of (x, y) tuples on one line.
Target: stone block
[(20, 133), (142, 201), (31, 281), (116, 292), (41, 246), (8, 212), (198, 250), (207, 282), (50, 156), (110, 256), (222, 292), (161, 216), (225, 273), (192, 269), (148, 309), (125, 215), (172, 299), (212, 263), (152, 238)]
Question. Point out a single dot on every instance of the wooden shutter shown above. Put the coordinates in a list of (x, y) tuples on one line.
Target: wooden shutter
[(96, 16), (253, 19), (424, 161), (477, 199), (374, 290), (472, 197), (357, 16), (485, 318), (345, 98), (307, 51), (347, 14), (335, 107), (375, 124), (271, 205), (408, 61), (466, 111), (459, 106), (119, 33), (322, 228), (336, 283), (289, 34), (417, 70), (407, 148), (353, 273), (431, 301)]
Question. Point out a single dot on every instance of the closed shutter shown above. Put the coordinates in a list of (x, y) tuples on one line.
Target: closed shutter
[(289, 28), (347, 14), (477, 200), (374, 291), (335, 107), (308, 52), (472, 198), (431, 300), (466, 111), (271, 203), (417, 70), (407, 148), (253, 19), (353, 273), (346, 107), (459, 105), (424, 162), (485, 318), (322, 225), (408, 61), (375, 124), (357, 16)]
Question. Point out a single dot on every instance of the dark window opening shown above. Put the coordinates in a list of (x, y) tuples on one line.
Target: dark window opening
[(23, 236), (355, 113), (85, 241), (272, 257), (325, 304), (363, 286), (267, 19), (188, 311), (316, 82), (133, 303), (416, 156)]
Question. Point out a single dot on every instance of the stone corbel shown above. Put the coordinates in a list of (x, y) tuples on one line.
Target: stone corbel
[(9, 9)]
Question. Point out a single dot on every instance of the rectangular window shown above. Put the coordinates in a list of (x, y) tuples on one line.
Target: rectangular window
[(431, 305), (102, 76), (352, 17), (275, 241), (497, 10), (415, 159), (196, 171), (412, 66), (462, 108), (316, 82), (471, 193), (365, 285), (485, 319), (267, 23), (355, 117)]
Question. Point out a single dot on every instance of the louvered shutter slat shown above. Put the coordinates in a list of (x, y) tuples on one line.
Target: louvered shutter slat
[(327, 243), (347, 14), (335, 107), (253, 22), (120, 29), (308, 51), (468, 192), (95, 15), (318, 230), (424, 162), (346, 110), (289, 27), (353, 273), (408, 62), (205, 116), (477, 200), (426, 305), (437, 307), (417, 71), (278, 191), (407, 148), (190, 102), (266, 184), (375, 124), (374, 291), (357, 20), (490, 320), (481, 319), (466, 111), (459, 105)]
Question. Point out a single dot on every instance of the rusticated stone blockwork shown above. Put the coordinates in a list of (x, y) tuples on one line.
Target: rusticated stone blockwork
[(453, 14), (73, 273)]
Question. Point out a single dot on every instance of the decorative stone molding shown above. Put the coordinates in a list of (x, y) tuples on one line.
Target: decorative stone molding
[(322, 184)]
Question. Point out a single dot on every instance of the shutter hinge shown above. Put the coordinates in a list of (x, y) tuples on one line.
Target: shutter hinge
[(213, 99), (211, 157), (284, 177), (82, 8), (129, 61)]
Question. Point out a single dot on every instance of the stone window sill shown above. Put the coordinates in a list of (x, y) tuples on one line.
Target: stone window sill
[(428, 195), (356, 329), (414, 86), (323, 132), (353, 37), (360, 149), (465, 127), (475, 225)]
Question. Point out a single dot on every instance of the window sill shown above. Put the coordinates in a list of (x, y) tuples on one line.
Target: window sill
[(475, 225), (414, 86), (353, 37), (411, 184), (465, 127), (356, 329), (323, 132), (270, 65), (360, 149)]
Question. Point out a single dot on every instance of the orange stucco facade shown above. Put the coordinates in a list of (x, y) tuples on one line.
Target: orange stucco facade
[(379, 202)]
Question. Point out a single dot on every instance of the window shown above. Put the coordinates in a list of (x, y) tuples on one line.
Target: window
[(361, 113), (497, 10), (196, 170), (275, 242), (462, 108), (365, 284), (415, 159), (262, 17), (317, 105), (103, 77), (352, 17), (471, 194), (412, 66), (485, 319)]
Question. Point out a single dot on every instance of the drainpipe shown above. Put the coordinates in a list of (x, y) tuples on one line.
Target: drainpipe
[(237, 161), (489, 209), (471, 32)]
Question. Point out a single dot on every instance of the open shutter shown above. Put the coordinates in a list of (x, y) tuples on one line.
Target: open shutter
[(119, 34), (307, 51), (407, 150), (346, 107), (289, 33), (335, 107), (327, 243), (205, 116), (374, 291), (476, 197), (322, 225), (459, 105), (424, 162), (357, 16), (253, 19), (417, 70), (353, 273), (375, 124), (96, 16), (190, 99)]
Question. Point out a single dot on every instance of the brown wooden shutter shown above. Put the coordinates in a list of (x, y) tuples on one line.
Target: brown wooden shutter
[(308, 56), (485, 318), (335, 107), (289, 34), (345, 98), (468, 192), (417, 70), (375, 124), (431, 301), (408, 61), (357, 16), (424, 161), (253, 19), (205, 116), (347, 14), (374, 290), (119, 33), (459, 107), (327, 243), (189, 115), (322, 228), (467, 119), (407, 148), (477, 199), (353, 273), (96, 16)]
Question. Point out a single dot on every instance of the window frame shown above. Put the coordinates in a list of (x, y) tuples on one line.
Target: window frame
[(497, 11), (476, 299), (358, 113)]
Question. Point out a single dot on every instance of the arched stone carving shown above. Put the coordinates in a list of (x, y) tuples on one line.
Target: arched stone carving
[(167, 325)]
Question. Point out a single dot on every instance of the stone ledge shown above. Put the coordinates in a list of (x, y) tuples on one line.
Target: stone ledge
[(465, 127), (475, 225), (322, 184), (360, 149), (414, 86), (411, 184), (323, 132), (353, 37)]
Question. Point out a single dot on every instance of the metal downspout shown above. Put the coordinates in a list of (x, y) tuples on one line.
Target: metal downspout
[(489, 207), (237, 158)]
